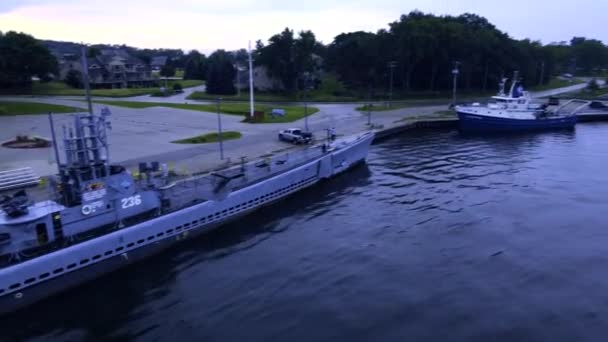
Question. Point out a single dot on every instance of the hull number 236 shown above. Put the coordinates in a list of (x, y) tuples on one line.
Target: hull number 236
[(131, 201)]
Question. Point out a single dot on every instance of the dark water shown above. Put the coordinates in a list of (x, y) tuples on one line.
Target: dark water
[(440, 237)]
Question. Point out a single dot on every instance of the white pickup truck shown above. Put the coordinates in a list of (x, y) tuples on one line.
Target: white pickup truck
[(295, 136)]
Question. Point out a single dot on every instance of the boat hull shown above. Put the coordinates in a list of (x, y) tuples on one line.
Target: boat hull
[(483, 123)]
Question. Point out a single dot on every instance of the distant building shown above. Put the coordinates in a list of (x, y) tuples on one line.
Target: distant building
[(158, 63), (112, 68), (262, 80)]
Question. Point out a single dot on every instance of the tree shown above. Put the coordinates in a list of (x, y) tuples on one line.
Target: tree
[(278, 58), (93, 51), (590, 54), (74, 79), (195, 67), (355, 58), (167, 70), (177, 88), (220, 74), (287, 58), (304, 48), (21, 58)]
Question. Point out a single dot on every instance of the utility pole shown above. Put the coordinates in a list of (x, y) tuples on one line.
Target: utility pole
[(85, 77), (250, 83), (542, 72), (238, 80), (219, 128), (391, 65), (455, 72), (306, 80), (485, 77)]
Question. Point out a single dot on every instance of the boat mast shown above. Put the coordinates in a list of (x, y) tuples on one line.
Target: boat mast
[(513, 83)]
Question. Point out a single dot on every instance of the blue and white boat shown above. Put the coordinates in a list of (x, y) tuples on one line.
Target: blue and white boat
[(514, 111)]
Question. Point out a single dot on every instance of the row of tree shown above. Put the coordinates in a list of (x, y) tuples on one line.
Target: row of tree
[(415, 53), (419, 52)]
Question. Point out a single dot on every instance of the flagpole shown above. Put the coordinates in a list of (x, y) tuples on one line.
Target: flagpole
[(250, 84)]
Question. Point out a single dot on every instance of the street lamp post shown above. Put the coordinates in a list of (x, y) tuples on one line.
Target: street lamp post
[(369, 106), (391, 65), (455, 73), (219, 128), (306, 81), (305, 114)]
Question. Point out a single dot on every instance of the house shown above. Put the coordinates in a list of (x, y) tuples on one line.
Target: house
[(262, 81), (112, 68), (158, 63)]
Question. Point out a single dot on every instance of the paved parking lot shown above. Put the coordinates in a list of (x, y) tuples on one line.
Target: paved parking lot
[(146, 134)]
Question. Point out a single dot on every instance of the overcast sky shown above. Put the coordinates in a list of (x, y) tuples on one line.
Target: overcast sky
[(207, 25)]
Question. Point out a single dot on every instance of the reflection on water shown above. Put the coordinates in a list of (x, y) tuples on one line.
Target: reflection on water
[(442, 236)]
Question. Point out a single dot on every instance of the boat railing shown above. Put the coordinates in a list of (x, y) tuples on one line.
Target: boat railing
[(198, 188)]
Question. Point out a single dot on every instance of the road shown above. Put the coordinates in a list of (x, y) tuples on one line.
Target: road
[(564, 90)]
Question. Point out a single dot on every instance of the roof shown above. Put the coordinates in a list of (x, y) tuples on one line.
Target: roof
[(158, 61), (106, 56)]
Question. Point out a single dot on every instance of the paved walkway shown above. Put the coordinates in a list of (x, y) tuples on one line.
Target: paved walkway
[(178, 98)]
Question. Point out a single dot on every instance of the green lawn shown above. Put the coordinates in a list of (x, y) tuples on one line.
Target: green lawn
[(20, 108), (384, 107), (184, 83), (62, 89), (209, 138), (556, 83), (272, 97), (292, 113)]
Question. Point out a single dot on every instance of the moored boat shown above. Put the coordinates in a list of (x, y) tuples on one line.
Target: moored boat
[(514, 111), (99, 217)]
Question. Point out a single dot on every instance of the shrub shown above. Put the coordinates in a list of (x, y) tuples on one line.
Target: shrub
[(592, 85), (177, 88), (74, 79)]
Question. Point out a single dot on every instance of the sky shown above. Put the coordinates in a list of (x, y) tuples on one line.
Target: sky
[(207, 25)]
